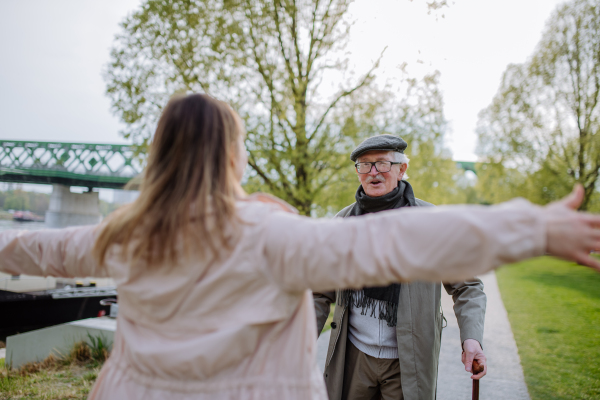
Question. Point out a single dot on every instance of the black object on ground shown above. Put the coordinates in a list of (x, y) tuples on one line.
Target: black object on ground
[(23, 312)]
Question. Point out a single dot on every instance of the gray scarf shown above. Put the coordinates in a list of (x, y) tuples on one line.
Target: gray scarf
[(385, 296)]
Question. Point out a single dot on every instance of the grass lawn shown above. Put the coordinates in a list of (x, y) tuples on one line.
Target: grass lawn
[(329, 319), (554, 309), (70, 377), (57, 382)]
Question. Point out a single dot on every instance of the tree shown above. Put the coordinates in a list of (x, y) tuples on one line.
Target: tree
[(417, 117), (17, 200), (545, 119), (268, 59), (38, 202), (497, 183)]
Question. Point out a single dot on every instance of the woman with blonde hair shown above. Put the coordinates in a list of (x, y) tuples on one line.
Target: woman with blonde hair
[(215, 287)]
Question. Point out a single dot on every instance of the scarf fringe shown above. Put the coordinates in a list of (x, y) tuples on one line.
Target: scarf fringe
[(356, 298)]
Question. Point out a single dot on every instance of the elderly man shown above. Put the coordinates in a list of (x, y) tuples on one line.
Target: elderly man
[(385, 341)]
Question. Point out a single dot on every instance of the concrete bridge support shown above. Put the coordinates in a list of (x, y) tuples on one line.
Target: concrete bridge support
[(70, 209)]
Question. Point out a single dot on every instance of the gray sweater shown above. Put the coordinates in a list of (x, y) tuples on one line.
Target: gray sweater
[(371, 335)]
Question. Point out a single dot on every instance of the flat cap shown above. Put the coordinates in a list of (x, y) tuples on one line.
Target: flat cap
[(382, 143)]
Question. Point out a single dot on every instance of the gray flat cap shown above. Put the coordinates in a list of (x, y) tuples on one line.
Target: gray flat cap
[(381, 142)]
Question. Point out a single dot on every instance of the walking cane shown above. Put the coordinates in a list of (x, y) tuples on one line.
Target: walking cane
[(477, 369)]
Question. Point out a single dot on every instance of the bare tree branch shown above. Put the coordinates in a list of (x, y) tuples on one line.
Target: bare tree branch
[(366, 79)]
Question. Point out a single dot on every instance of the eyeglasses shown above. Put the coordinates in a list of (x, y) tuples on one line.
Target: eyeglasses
[(380, 166)]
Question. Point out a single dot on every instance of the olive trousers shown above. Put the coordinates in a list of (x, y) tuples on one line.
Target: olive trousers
[(370, 378)]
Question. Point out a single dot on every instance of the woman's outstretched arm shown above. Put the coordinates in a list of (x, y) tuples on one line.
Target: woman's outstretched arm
[(442, 244), (52, 252)]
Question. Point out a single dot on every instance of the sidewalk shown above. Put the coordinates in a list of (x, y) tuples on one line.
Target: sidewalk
[(504, 379), (322, 345)]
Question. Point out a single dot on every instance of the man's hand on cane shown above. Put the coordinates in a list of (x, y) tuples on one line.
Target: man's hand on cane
[(472, 350)]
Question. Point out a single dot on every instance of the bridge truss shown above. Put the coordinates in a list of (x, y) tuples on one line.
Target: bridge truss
[(71, 164)]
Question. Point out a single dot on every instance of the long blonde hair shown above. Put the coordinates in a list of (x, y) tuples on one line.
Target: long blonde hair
[(189, 179)]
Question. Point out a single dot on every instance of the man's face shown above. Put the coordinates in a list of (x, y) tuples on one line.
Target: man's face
[(376, 184)]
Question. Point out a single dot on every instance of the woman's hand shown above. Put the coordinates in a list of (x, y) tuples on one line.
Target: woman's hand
[(570, 234)]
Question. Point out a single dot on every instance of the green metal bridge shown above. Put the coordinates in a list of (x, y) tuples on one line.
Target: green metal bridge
[(72, 164)]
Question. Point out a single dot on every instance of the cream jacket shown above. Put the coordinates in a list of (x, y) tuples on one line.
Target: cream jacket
[(243, 326)]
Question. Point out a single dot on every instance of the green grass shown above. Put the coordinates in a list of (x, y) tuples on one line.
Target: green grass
[(329, 319), (554, 309), (68, 377), (60, 382)]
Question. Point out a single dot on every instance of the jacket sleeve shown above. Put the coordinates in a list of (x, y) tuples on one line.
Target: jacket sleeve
[(393, 246), (469, 307), (323, 308), (51, 252), (323, 300)]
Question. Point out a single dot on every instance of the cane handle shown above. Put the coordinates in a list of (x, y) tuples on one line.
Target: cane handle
[(477, 368)]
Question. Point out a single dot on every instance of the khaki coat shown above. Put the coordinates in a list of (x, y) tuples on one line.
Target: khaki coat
[(418, 331)]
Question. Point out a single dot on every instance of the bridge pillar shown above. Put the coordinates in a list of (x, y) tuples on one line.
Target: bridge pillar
[(69, 209)]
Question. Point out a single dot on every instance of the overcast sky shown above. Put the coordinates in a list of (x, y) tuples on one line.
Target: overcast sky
[(52, 53)]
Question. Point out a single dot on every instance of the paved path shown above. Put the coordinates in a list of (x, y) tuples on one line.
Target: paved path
[(322, 345), (504, 380)]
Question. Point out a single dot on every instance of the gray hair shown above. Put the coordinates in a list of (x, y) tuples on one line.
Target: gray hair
[(401, 158)]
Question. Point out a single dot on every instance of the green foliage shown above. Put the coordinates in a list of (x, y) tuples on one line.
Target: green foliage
[(544, 122), (554, 310), (496, 183), (435, 177), (94, 351), (68, 377), (417, 117), (268, 59), (52, 382), (99, 348), (106, 207), (329, 319), (38, 202), (264, 58), (24, 201), (17, 200)]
